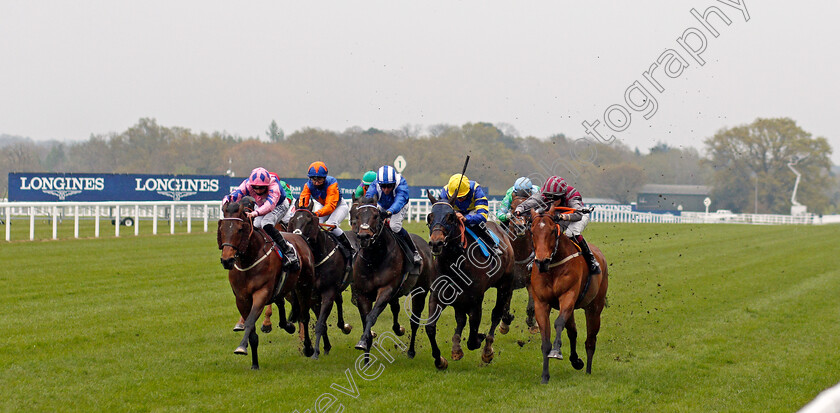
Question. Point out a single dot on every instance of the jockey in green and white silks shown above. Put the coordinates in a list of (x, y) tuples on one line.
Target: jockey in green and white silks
[(522, 187)]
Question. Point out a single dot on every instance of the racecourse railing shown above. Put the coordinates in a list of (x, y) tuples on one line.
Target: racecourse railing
[(132, 214)]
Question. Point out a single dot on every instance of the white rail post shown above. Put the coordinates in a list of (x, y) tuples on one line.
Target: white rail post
[(172, 219), (189, 218), (206, 212), (117, 221), (8, 223), (96, 222), (31, 223), (55, 222), (154, 219), (137, 220), (76, 221)]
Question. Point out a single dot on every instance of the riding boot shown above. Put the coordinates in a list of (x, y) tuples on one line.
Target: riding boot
[(292, 263), (416, 259), (484, 233), (347, 250), (594, 267)]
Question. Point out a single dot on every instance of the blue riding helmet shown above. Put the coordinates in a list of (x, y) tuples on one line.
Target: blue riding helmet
[(522, 184), (386, 175)]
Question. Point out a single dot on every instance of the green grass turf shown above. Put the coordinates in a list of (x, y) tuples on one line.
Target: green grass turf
[(700, 318)]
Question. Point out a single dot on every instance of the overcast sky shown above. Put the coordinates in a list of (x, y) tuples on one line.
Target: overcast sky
[(72, 68)]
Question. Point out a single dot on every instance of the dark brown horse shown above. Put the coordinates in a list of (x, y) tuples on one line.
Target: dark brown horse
[(381, 274), (560, 280), (523, 253), (266, 324), (330, 277), (462, 277), (255, 273)]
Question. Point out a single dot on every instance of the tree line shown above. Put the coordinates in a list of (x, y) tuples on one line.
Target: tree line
[(498, 156)]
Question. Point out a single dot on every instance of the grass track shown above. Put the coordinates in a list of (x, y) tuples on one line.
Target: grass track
[(701, 318)]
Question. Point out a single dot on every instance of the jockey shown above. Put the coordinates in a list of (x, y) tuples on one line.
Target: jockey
[(323, 190), (289, 198), (367, 179), (271, 203), (522, 187), (555, 188), (393, 200), (471, 206)]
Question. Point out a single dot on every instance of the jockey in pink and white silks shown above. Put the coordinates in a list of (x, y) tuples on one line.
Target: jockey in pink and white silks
[(270, 199)]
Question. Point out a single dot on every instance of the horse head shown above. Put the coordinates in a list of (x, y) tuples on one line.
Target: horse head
[(354, 210), (369, 222), (546, 234), (518, 224), (443, 225), (304, 222), (235, 230)]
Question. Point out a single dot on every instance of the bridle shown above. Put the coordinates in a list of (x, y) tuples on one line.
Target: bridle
[(447, 228), (373, 238), (235, 247)]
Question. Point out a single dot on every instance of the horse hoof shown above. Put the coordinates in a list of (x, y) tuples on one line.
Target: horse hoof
[(372, 334), (314, 356), (239, 327), (504, 328), (410, 354), (289, 328), (457, 354), (361, 345), (266, 328), (441, 364), (534, 330), (241, 351), (577, 363), (555, 354), (327, 351), (487, 357), (399, 331), (255, 367), (544, 380), (308, 352), (347, 329)]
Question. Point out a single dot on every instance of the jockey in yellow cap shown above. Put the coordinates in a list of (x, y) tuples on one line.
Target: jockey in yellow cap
[(470, 204)]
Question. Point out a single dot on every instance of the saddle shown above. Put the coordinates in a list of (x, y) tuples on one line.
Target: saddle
[(408, 255)]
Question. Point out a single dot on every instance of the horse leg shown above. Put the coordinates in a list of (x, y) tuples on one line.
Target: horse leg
[(530, 321), (304, 306), (541, 312), (257, 302), (503, 295), (566, 319), (505, 315), (460, 322), (372, 316), (417, 303), (475, 339), (395, 310), (339, 302), (266, 324), (435, 310), (593, 325), (240, 325), (364, 304), (327, 298), (283, 322)]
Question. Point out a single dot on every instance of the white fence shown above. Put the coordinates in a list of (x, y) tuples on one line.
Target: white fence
[(186, 211)]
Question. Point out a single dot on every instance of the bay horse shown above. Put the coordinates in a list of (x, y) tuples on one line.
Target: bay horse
[(523, 254), (381, 274), (256, 276), (462, 277), (560, 280), (330, 278)]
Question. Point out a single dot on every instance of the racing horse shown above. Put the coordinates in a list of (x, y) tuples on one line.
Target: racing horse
[(523, 254), (560, 280), (462, 277), (330, 277), (256, 276), (381, 274)]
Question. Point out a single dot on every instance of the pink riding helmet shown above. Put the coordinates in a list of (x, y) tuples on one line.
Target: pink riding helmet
[(259, 177)]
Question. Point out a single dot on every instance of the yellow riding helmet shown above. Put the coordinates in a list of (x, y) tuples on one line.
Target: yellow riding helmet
[(453, 186)]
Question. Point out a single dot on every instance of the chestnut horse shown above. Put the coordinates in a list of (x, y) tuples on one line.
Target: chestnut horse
[(523, 254), (462, 277), (381, 274), (330, 277), (560, 279), (256, 276)]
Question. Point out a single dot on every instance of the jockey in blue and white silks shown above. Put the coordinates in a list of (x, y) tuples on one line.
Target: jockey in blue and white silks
[(392, 190)]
